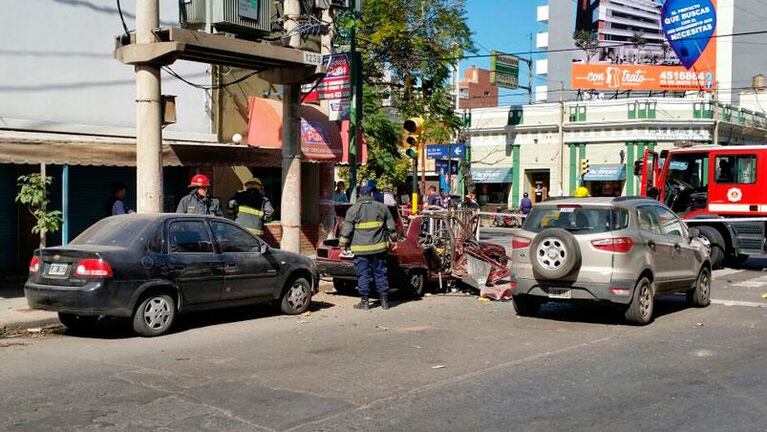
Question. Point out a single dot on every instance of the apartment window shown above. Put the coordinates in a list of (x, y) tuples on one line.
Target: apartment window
[(646, 110), (578, 113), (632, 110), (702, 111)]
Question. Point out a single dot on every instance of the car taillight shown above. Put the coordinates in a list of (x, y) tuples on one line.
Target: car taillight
[(34, 264), (93, 268), (617, 245), (519, 242)]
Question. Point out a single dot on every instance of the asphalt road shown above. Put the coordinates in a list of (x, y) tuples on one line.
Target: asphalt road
[(448, 363)]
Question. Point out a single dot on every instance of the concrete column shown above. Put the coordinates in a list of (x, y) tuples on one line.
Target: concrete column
[(291, 168), (149, 189), (292, 10)]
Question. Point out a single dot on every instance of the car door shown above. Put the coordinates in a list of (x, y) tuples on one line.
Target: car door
[(249, 271), (657, 245), (193, 262), (683, 254)]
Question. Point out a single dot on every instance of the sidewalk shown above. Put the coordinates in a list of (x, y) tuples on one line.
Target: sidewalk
[(15, 314)]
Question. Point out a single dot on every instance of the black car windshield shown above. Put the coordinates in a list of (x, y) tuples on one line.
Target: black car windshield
[(118, 231), (576, 219)]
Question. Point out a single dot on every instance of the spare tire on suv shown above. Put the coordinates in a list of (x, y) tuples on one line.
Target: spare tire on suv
[(554, 254)]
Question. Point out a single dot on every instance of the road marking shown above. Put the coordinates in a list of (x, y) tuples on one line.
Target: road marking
[(739, 303)]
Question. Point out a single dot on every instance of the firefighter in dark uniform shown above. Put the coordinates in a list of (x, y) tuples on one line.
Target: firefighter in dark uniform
[(369, 228), (198, 201), (251, 208)]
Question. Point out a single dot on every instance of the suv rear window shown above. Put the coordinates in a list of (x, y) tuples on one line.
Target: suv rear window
[(578, 220)]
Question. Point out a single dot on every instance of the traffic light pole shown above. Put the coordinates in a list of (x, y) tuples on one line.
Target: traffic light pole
[(355, 111), (414, 201)]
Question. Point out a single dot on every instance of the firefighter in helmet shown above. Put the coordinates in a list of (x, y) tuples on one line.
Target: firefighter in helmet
[(251, 208), (199, 201)]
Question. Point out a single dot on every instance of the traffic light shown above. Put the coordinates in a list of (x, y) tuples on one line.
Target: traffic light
[(584, 166), (413, 129)]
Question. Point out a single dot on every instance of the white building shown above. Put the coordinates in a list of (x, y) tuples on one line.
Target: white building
[(514, 149)]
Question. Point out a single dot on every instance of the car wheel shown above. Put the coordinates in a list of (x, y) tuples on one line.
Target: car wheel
[(700, 294), (526, 306), (642, 303), (555, 254), (345, 286), (155, 315), (78, 323), (416, 281), (715, 244), (297, 297)]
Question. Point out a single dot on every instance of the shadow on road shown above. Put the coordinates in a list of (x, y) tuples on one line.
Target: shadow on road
[(120, 328), (592, 313)]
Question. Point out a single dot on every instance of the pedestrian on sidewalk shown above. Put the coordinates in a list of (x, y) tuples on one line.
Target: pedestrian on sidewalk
[(199, 201), (251, 208), (526, 204), (369, 229), (116, 204)]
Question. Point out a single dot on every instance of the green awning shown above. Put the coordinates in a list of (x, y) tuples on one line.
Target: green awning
[(608, 172), (492, 175)]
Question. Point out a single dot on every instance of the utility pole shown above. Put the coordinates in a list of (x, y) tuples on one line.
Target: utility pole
[(355, 110), (290, 211), (715, 138), (149, 182), (562, 139)]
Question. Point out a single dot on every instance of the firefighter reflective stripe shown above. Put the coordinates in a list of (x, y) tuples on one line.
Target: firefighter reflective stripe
[(255, 231), (370, 248), (251, 211), (370, 225)]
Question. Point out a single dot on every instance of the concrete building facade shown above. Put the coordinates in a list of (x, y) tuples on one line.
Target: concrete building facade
[(523, 147), (475, 90)]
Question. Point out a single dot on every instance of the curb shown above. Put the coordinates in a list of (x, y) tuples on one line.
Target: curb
[(15, 327)]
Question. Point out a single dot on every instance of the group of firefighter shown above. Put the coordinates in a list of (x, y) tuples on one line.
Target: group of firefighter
[(250, 208), (368, 229)]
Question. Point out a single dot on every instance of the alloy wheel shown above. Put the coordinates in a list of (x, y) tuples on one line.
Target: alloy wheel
[(157, 313), (297, 296), (552, 253)]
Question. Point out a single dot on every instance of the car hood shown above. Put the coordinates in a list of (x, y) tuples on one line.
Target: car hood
[(290, 258)]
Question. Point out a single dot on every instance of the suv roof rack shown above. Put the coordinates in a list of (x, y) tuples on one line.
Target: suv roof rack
[(629, 198)]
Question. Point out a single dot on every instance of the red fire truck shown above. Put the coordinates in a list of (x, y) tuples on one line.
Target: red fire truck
[(721, 190)]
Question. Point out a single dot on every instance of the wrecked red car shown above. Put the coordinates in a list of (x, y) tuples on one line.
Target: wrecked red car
[(433, 246)]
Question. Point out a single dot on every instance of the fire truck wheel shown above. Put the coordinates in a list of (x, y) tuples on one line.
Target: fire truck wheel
[(715, 241), (554, 253)]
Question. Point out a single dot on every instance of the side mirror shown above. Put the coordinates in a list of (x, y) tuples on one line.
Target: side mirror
[(638, 167), (693, 232)]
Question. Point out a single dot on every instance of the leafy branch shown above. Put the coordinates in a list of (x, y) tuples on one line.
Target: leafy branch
[(33, 194)]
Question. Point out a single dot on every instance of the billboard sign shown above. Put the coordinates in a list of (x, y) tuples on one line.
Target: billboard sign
[(677, 52), (504, 70)]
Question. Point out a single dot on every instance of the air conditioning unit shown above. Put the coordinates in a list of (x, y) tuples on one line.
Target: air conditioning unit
[(244, 18)]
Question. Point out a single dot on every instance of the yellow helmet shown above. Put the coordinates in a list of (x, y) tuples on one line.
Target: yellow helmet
[(581, 192), (253, 182)]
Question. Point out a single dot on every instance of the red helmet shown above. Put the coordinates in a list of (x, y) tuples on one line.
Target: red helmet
[(199, 181)]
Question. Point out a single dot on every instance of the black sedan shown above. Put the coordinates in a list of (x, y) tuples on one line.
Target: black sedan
[(149, 268)]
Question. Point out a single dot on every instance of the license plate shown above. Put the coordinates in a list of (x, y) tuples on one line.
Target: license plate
[(560, 293), (58, 269)]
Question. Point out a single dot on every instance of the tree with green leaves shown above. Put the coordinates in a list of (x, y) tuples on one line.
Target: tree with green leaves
[(33, 193), (638, 41), (416, 42), (587, 42)]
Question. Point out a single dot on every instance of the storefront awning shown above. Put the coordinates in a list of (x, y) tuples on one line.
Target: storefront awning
[(321, 140), (608, 172), (68, 149), (492, 175)]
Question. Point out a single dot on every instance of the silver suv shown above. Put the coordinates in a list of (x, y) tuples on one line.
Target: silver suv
[(623, 251)]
